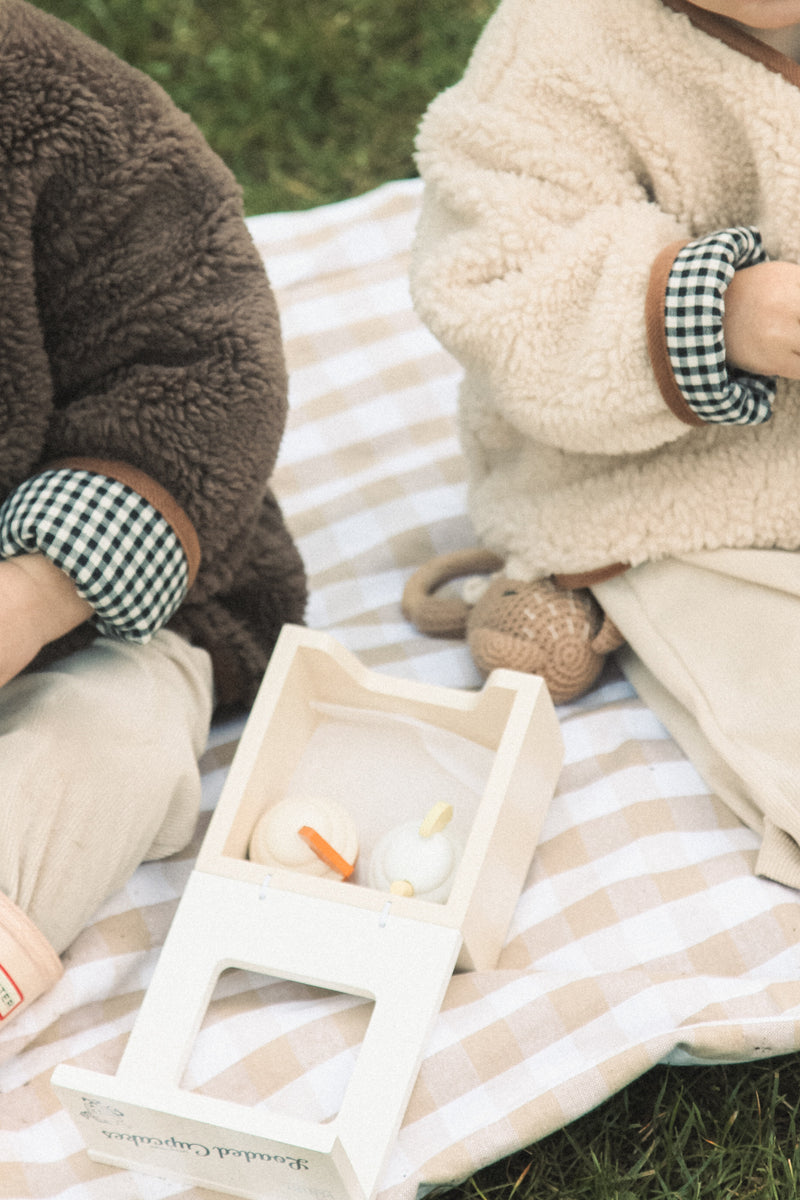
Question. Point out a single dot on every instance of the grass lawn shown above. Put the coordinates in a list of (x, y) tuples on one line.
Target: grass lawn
[(682, 1133), (311, 101), (307, 101)]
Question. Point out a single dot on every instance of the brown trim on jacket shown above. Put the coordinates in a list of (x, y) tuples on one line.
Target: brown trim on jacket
[(584, 579), (738, 39), (152, 491), (657, 335)]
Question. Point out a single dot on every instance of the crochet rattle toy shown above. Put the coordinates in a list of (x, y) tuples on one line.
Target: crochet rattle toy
[(540, 628)]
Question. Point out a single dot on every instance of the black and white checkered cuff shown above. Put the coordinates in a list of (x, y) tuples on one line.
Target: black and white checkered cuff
[(121, 554), (693, 311)]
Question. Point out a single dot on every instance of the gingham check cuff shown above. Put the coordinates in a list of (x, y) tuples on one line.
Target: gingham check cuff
[(693, 311), (121, 554)]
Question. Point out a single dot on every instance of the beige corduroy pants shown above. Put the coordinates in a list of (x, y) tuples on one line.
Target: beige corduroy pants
[(714, 650), (98, 772)]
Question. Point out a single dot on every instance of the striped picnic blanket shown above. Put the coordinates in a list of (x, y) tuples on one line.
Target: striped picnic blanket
[(641, 935)]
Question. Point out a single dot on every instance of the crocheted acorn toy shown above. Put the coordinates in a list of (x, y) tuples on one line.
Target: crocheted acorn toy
[(561, 634)]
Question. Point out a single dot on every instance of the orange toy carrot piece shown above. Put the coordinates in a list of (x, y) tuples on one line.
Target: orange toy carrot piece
[(326, 852)]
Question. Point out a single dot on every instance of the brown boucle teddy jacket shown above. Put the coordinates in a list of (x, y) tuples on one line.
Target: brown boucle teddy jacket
[(138, 333)]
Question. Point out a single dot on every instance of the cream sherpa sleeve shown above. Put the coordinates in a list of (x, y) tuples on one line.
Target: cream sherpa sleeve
[(534, 251)]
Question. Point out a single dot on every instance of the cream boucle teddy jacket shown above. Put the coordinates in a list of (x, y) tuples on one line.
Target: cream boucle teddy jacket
[(587, 142)]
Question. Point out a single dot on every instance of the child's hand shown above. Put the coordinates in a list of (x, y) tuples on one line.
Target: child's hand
[(761, 324), (38, 603)]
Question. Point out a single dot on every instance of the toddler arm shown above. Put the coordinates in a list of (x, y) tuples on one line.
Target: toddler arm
[(123, 556), (731, 326), (532, 263), (159, 336), (700, 379), (82, 545), (544, 218), (39, 603), (762, 319)]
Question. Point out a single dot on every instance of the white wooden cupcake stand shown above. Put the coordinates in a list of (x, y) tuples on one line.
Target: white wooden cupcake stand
[(399, 951)]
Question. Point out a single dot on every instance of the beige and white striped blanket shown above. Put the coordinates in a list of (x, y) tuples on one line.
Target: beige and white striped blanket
[(642, 934)]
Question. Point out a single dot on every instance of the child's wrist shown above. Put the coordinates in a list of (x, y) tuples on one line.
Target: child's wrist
[(51, 599), (704, 277)]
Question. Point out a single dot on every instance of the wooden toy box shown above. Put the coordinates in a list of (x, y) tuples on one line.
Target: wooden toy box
[(383, 745)]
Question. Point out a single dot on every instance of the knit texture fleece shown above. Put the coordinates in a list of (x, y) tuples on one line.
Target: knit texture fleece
[(138, 331), (584, 140)]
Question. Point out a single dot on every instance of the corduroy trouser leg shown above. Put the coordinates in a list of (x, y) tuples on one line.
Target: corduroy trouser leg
[(99, 760), (714, 650)]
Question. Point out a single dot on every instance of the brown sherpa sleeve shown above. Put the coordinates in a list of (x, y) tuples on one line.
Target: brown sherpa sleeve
[(182, 377), (657, 335), (153, 350)]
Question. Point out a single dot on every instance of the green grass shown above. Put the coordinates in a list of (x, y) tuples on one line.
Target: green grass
[(687, 1133), (308, 101), (311, 101)]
